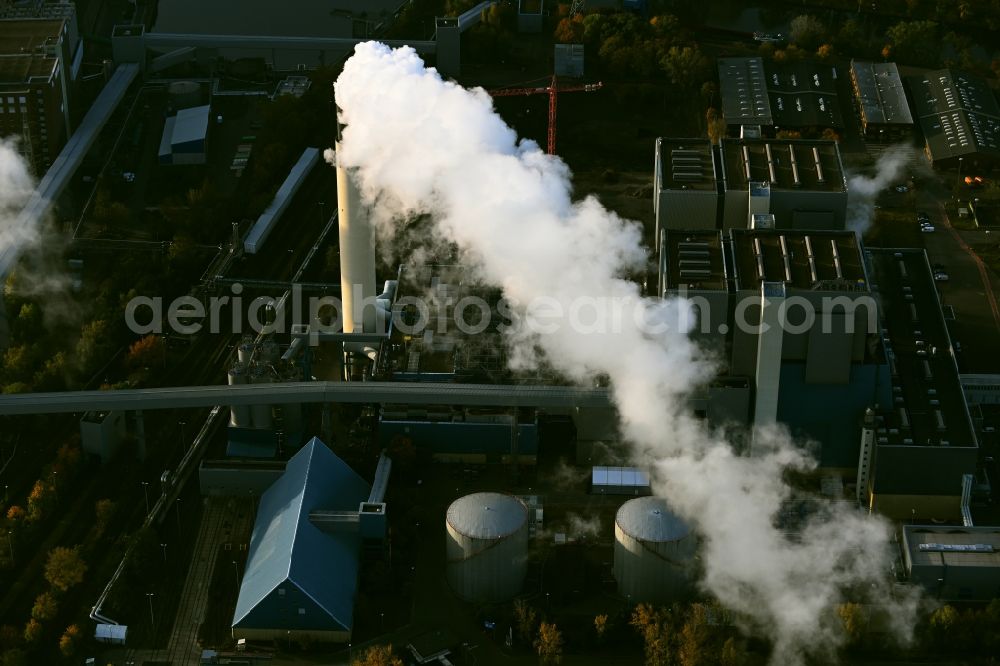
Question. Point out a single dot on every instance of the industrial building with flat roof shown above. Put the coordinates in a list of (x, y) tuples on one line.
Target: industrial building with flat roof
[(804, 186), (685, 189), (782, 95), (881, 100), (821, 376), (953, 563), (34, 104), (924, 441), (960, 119), (748, 183)]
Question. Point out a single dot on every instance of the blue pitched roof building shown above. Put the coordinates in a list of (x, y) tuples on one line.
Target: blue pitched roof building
[(300, 581)]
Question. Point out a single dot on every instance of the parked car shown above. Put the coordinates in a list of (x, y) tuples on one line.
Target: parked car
[(902, 189), (941, 276), (922, 216), (927, 228)]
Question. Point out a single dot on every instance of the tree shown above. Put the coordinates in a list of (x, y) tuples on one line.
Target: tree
[(914, 42), (716, 125), (789, 134), (378, 655), (16, 514), (852, 618), (825, 52), (68, 641), (830, 134), (807, 31), (943, 622), (41, 499), (733, 653), (32, 631), (65, 568), (45, 607), (549, 644), (14, 657), (601, 626), (526, 618), (652, 626), (694, 638), (104, 510), (685, 67), (146, 352)]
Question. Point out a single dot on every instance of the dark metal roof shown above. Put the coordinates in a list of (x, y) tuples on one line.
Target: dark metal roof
[(816, 165), (288, 552), (958, 113), (880, 91), (686, 164), (743, 87), (800, 259), (695, 260)]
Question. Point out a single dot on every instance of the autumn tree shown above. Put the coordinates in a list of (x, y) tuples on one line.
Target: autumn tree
[(825, 52), (104, 510), (68, 641), (16, 514), (733, 653), (685, 66), (716, 125), (694, 638), (943, 623), (65, 568), (41, 500), (377, 655), (549, 644), (146, 352), (652, 625), (45, 607), (526, 619), (601, 626), (32, 631), (852, 619)]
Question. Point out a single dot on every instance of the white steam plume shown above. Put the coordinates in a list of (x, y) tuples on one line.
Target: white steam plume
[(425, 146), (863, 190), (16, 187)]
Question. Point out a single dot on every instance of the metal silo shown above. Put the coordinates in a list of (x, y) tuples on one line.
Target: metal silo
[(245, 351), (486, 545), (239, 415), (654, 551)]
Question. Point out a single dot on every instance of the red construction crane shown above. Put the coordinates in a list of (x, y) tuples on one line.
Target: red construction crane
[(552, 90)]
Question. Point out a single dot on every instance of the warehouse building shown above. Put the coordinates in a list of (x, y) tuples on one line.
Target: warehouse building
[(953, 563), (960, 119), (779, 95), (881, 101), (184, 136), (302, 568), (924, 444)]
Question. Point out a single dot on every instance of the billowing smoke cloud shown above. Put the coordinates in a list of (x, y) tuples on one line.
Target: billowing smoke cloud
[(580, 527), (863, 190), (425, 146), (16, 187)]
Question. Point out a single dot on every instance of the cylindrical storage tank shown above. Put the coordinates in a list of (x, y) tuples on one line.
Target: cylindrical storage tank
[(239, 415), (357, 254), (245, 351), (184, 94), (654, 551), (486, 545), (261, 415)]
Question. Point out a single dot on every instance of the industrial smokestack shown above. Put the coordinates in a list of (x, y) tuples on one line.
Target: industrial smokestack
[(357, 254), (769, 342)]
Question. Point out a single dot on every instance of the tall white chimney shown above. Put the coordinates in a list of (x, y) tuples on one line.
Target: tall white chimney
[(357, 254)]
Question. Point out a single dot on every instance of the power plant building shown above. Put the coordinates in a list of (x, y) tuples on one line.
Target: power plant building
[(486, 546), (748, 184), (654, 552), (818, 373), (302, 568), (960, 119), (802, 184)]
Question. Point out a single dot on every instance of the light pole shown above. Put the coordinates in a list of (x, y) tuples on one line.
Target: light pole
[(152, 619), (183, 440), (164, 547), (236, 569), (145, 494), (10, 544), (959, 181)]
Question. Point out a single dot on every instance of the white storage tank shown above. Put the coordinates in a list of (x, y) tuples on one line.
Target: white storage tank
[(486, 545), (239, 415), (245, 351), (654, 551)]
